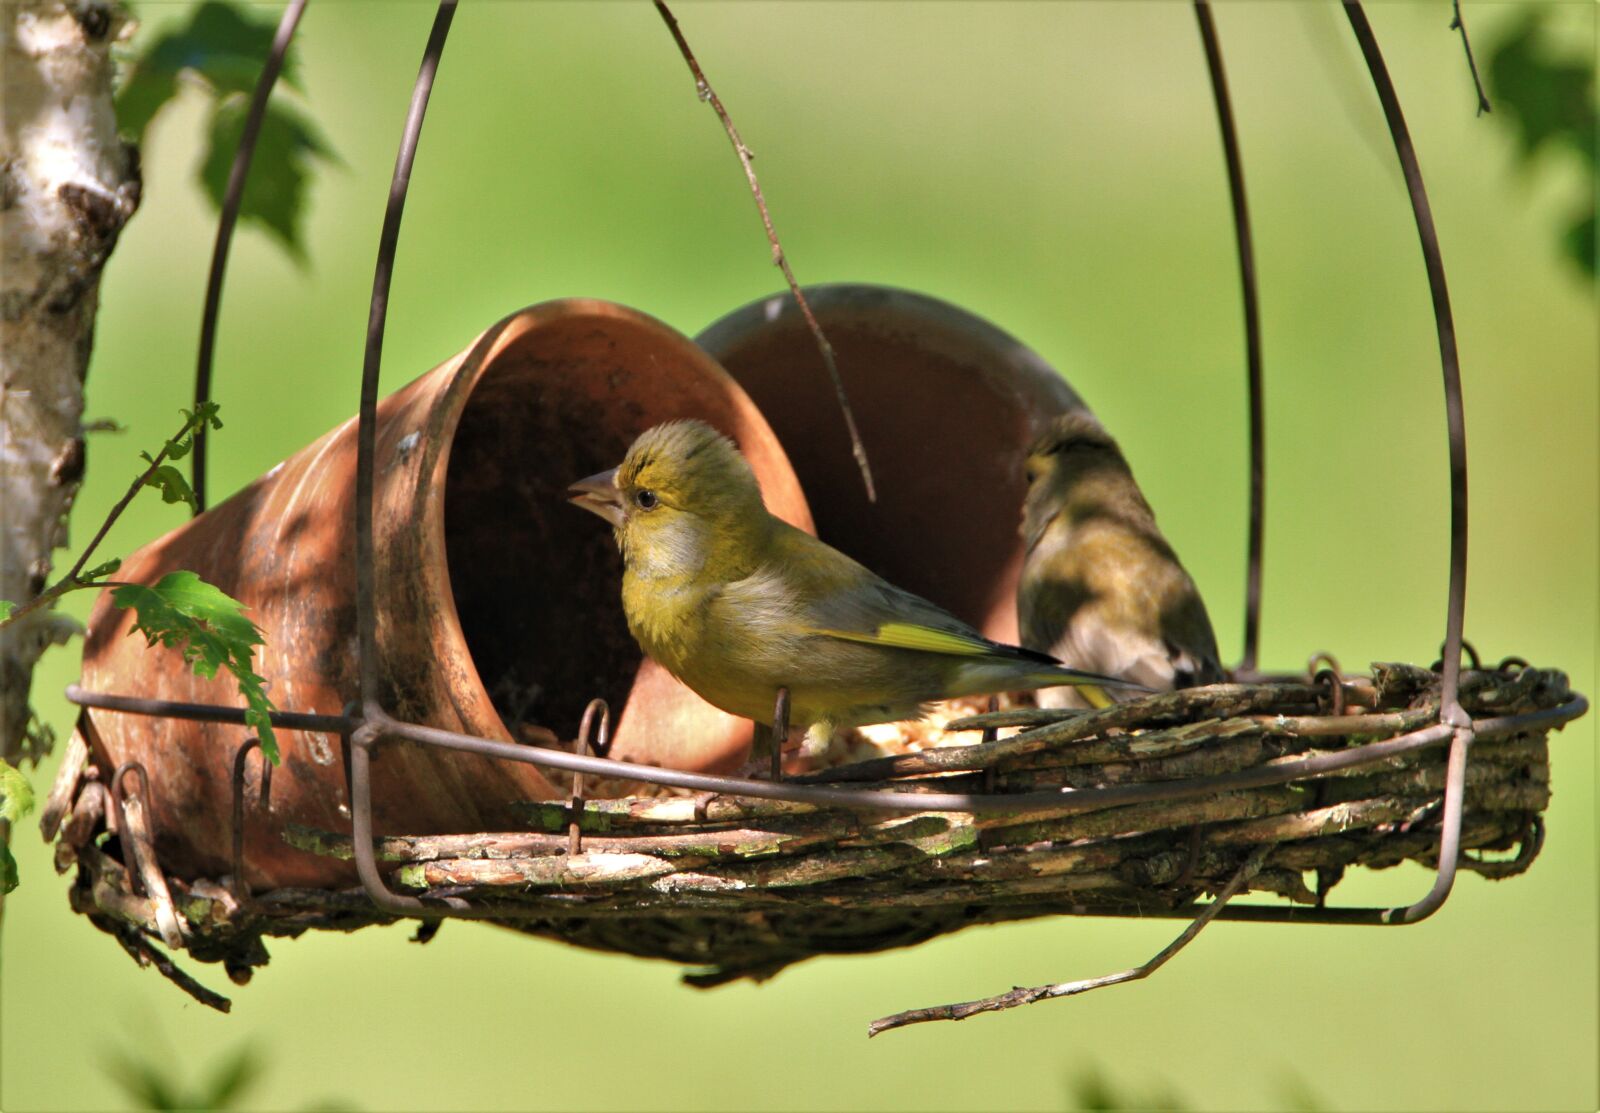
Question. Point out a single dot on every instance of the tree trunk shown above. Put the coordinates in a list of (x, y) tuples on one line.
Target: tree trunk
[(67, 186)]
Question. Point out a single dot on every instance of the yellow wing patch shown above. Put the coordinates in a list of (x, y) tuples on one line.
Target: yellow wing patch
[(1096, 695), (905, 635)]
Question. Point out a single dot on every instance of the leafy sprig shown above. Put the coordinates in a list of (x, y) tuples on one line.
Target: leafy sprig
[(181, 611), (168, 480)]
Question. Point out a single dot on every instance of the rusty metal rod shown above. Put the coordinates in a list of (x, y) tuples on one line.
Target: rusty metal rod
[(1283, 772), (1090, 799), (584, 746), (1450, 710), (232, 197), (377, 315), (780, 732), (241, 891), (1252, 337), (1444, 324), (203, 712)]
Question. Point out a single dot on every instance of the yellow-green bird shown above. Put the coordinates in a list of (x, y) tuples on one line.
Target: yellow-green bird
[(1101, 589), (737, 603)]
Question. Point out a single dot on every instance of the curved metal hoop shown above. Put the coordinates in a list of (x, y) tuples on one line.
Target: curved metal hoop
[(372, 723)]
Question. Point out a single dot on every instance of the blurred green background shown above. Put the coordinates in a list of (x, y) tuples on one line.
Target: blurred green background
[(1055, 168)]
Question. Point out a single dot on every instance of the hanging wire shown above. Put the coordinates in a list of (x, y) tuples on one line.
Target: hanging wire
[(1252, 337), (232, 198), (1450, 710), (366, 429)]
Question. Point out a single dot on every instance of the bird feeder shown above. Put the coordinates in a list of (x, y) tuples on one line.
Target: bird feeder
[(443, 701)]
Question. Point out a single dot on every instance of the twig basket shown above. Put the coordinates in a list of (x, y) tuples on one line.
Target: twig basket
[(741, 887)]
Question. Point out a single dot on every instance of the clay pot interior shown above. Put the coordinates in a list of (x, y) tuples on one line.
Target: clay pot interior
[(536, 581)]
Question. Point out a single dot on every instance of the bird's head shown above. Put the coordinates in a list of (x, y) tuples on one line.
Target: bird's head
[(682, 501), (1074, 447)]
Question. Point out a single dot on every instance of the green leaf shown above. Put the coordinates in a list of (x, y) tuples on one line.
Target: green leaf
[(1549, 98), (172, 484), (143, 1083), (274, 194), (225, 49), (6, 607), (16, 796), (1578, 242), (204, 414), (16, 801), (100, 571), (183, 612), (230, 1079), (221, 45)]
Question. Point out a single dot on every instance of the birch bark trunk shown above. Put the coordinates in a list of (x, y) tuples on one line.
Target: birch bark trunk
[(68, 184)]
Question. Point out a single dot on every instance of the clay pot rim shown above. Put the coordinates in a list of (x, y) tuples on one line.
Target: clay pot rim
[(962, 325), (464, 379)]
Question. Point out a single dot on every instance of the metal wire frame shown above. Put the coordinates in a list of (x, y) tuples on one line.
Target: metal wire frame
[(1252, 338), (232, 196), (366, 729)]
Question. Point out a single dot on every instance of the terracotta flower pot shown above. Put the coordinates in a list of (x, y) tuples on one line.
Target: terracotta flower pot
[(947, 405), (497, 602)]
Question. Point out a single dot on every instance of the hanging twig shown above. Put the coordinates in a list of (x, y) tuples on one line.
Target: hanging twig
[(1252, 337), (1020, 996), (703, 87), (1458, 24), (145, 953)]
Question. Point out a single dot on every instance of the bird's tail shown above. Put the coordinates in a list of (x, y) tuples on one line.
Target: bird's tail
[(1091, 685)]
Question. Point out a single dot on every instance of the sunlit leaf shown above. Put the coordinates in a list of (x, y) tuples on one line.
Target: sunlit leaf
[(16, 795), (208, 627), (16, 801)]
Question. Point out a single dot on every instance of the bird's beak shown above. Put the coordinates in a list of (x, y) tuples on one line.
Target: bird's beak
[(599, 494)]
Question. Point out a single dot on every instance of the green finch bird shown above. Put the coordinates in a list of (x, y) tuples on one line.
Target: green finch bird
[(737, 603), (1101, 589)]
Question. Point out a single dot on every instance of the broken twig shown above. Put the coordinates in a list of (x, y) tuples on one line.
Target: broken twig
[(709, 95), (961, 1011), (1458, 24)]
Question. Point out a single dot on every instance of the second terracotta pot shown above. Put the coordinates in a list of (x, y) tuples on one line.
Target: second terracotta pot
[(947, 404)]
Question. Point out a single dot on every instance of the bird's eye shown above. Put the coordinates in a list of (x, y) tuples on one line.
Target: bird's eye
[(646, 499), (1031, 474)]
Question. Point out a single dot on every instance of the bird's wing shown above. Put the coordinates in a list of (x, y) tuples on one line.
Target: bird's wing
[(845, 600), (930, 639)]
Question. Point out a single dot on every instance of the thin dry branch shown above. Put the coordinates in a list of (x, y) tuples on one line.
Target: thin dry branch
[(709, 95), (146, 953), (1020, 996), (1458, 24)]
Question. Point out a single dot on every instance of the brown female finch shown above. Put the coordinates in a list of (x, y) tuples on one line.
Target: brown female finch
[(1101, 589)]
